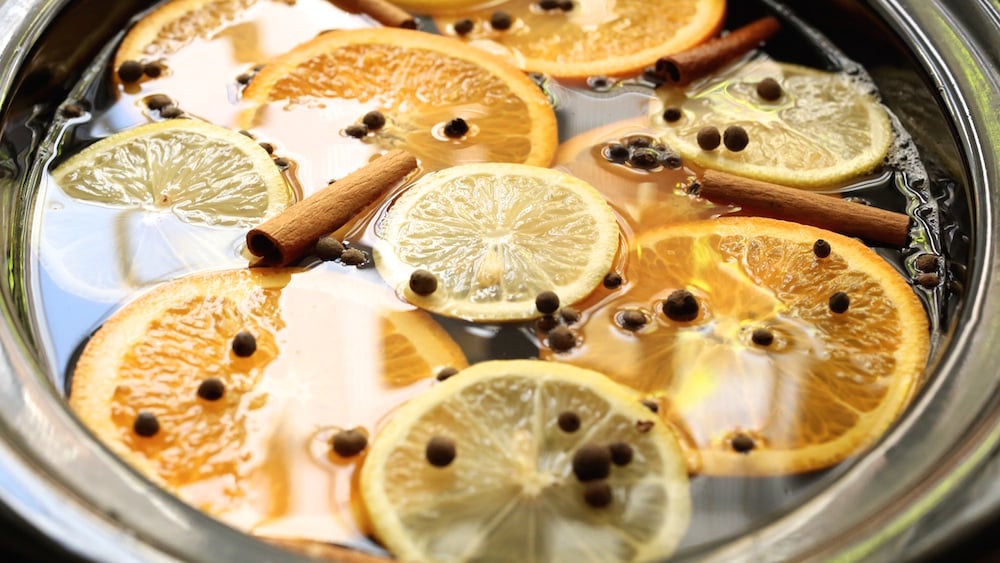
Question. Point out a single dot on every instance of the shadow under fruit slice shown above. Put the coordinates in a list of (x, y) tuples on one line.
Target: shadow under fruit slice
[(772, 358), (533, 460), (227, 388)]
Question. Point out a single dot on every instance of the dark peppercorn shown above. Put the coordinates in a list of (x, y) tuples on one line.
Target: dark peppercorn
[(546, 323), (742, 443), (561, 339), (645, 158), (152, 70), (501, 21), (328, 248), (927, 263), (569, 315), (568, 421), (171, 112), (709, 138), (651, 405), (821, 248), (929, 281), (145, 424), (130, 72), (440, 451), (616, 152), (592, 462), (613, 280), (769, 89), (353, 257), (349, 443), (621, 453), (464, 26), (762, 336), (423, 282), (735, 138), (547, 302), (446, 373), (72, 110), (212, 389), (356, 130), (244, 344), (456, 128), (671, 114), (597, 494), (632, 319), (839, 302), (373, 120), (681, 306)]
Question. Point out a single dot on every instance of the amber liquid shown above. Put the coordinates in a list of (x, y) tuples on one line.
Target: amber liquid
[(79, 283)]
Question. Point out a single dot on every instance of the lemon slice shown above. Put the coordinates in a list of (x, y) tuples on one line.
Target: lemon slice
[(513, 487), (823, 130), (201, 172), (495, 236)]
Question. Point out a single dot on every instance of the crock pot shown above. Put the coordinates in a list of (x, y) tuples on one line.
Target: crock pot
[(931, 479)]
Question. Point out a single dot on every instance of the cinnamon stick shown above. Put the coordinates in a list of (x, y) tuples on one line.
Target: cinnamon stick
[(702, 60), (811, 208), (288, 236), (382, 11)]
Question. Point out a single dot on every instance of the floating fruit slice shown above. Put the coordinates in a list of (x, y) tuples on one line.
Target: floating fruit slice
[(809, 129), (485, 463), (253, 448), (755, 362), (419, 83), (592, 37), (495, 236)]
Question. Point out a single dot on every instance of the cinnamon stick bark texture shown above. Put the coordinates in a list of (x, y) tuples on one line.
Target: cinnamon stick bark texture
[(702, 60), (810, 208), (288, 236), (385, 13)]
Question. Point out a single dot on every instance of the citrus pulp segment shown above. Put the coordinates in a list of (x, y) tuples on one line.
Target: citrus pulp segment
[(200, 172), (495, 236), (593, 38), (824, 130), (766, 363), (255, 454), (512, 487), (420, 83)]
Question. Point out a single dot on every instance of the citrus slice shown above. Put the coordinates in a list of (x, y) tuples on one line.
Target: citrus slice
[(256, 455), (766, 377), (419, 83), (593, 37), (495, 236), (200, 172), (518, 478), (823, 129)]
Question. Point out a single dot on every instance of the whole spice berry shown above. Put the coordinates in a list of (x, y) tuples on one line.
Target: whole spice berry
[(568, 421), (645, 158), (440, 451), (742, 443), (353, 257), (612, 280), (616, 152), (373, 120), (356, 130), (592, 462), (152, 70), (501, 21), (597, 494), (456, 128), (463, 26), (349, 443), (709, 138), (821, 248), (671, 114), (561, 339), (211, 389), (145, 424), (547, 302), (244, 344), (735, 138), (839, 302), (651, 405), (171, 112), (769, 89), (762, 336), (632, 319), (621, 453), (446, 373), (423, 282), (328, 249), (681, 306), (130, 72)]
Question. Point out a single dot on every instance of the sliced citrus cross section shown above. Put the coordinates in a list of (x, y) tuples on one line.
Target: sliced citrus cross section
[(495, 236), (533, 460), (223, 388), (587, 37), (433, 96), (771, 357), (800, 127)]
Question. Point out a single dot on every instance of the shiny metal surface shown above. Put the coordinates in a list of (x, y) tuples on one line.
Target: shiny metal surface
[(929, 478)]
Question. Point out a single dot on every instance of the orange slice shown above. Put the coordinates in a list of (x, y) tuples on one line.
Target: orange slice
[(594, 37), (419, 82), (766, 379), (256, 456)]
